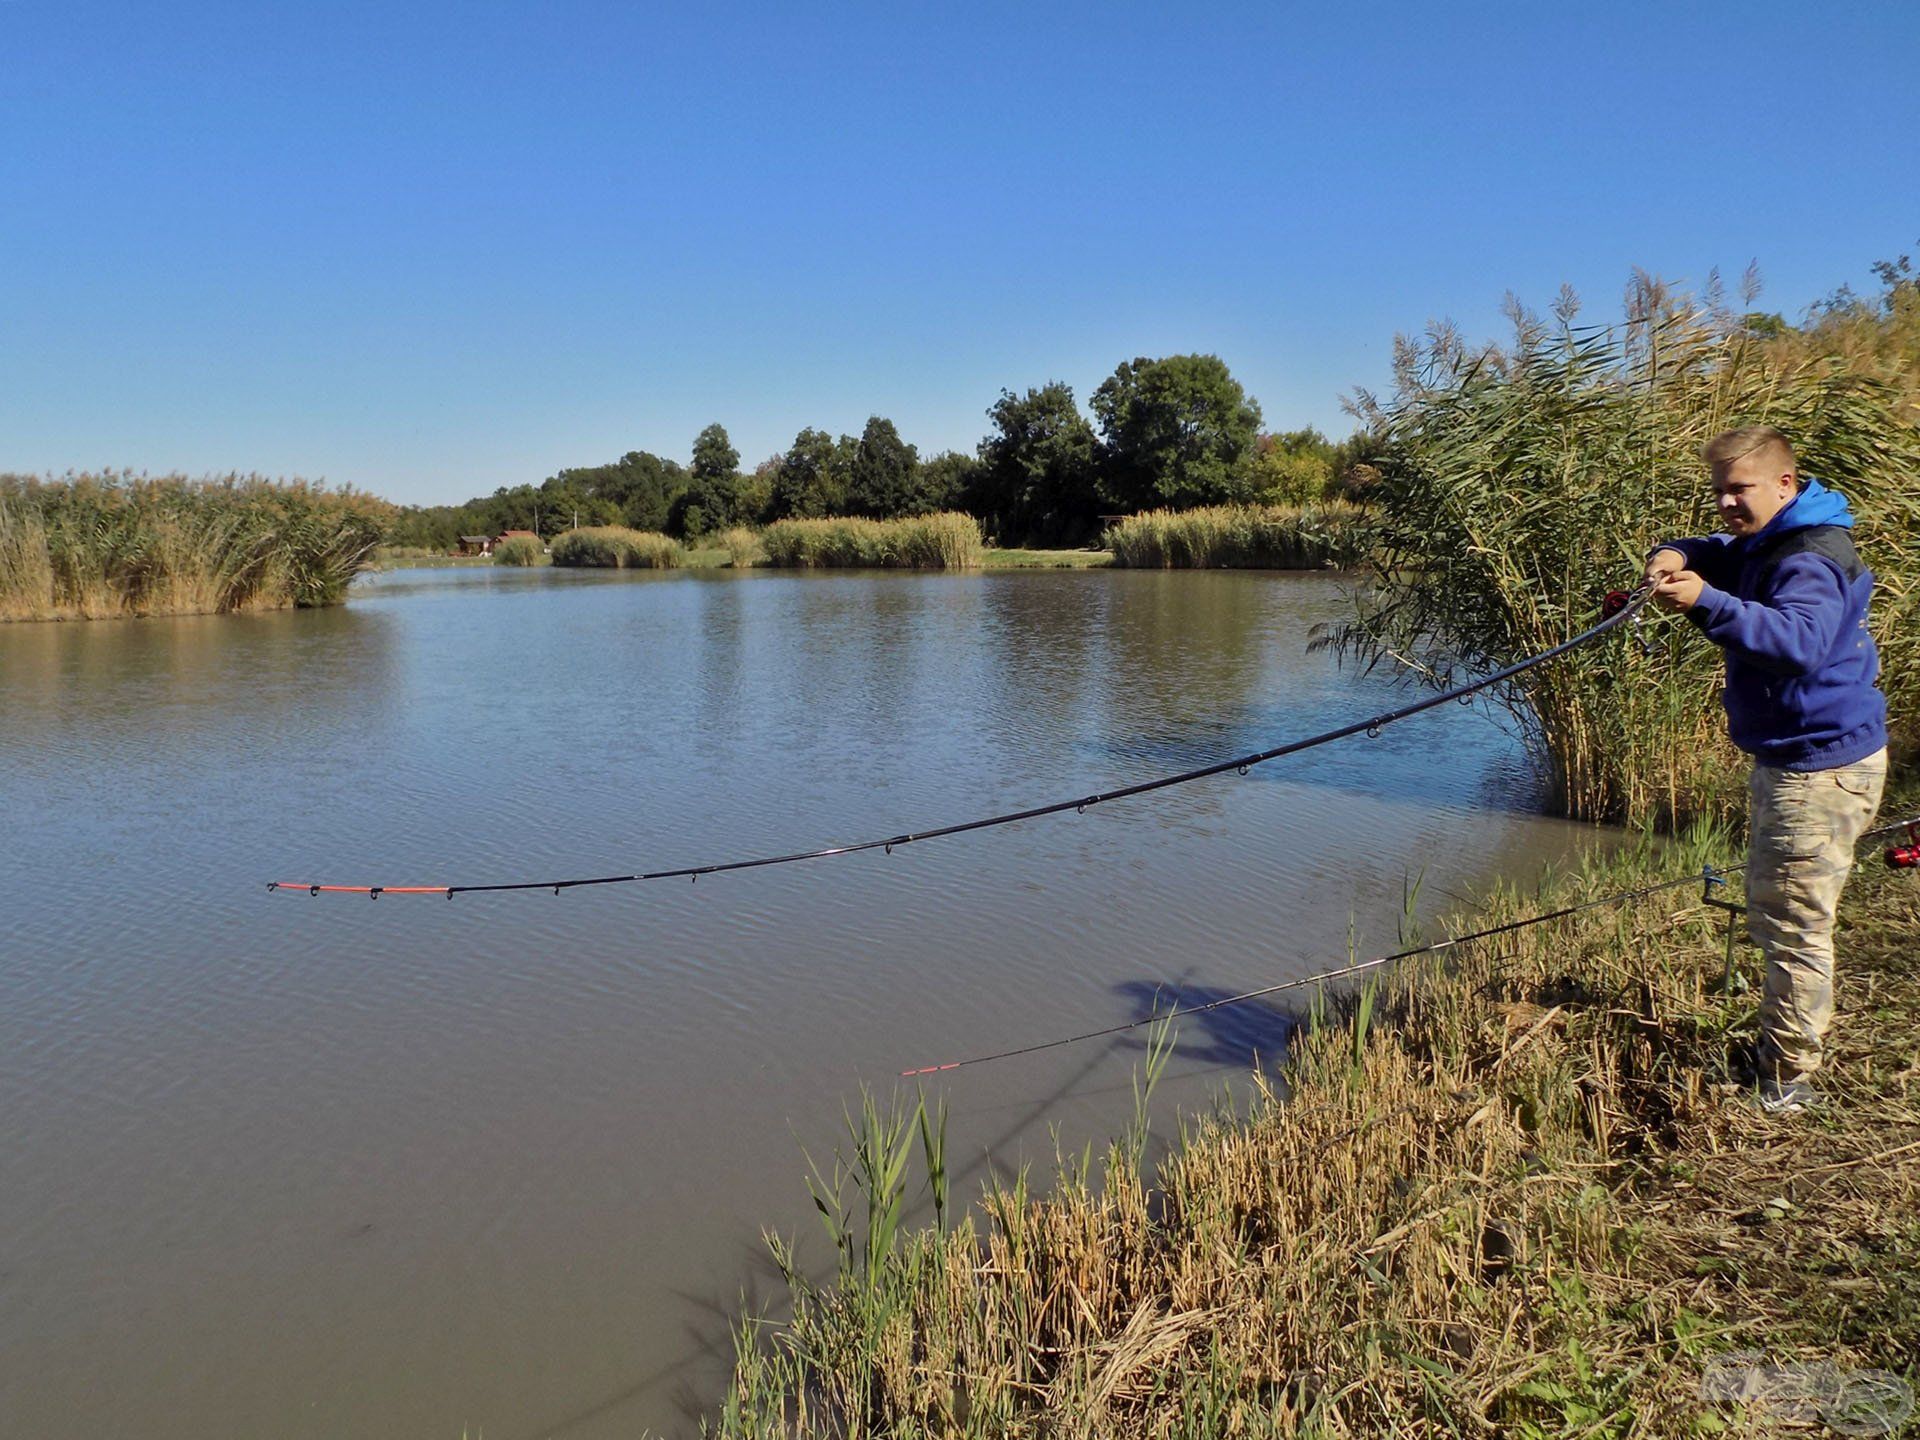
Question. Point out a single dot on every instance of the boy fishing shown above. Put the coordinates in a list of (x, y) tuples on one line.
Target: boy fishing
[(1784, 594)]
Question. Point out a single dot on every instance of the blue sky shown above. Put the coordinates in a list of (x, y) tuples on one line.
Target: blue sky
[(430, 249)]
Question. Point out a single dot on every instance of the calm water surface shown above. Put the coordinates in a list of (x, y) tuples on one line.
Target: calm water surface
[(418, 1167)]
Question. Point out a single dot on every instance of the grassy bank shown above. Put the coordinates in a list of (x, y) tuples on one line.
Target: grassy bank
[(1512, 1191), (419, 557), (931, 542), (102, 546), (614, 547), (1333, 535), (1016, 559)]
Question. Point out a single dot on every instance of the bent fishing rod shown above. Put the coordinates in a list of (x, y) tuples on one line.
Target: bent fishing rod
[(1620, 608)]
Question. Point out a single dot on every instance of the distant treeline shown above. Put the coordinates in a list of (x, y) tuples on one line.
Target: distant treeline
[(1172, 433)]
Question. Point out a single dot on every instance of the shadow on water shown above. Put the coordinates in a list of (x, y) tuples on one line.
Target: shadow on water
[(1252, 1035)]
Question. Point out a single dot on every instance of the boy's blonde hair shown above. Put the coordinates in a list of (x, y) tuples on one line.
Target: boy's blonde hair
[(1762, 440)]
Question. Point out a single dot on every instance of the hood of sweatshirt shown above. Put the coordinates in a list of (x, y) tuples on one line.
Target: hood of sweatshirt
[(1814, 505)]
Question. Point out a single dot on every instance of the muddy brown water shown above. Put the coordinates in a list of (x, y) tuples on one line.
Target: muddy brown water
[(499, 1165)]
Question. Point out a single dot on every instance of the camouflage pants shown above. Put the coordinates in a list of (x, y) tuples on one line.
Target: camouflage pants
[(1804, 825)]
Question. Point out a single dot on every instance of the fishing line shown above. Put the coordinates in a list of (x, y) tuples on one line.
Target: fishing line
[(1707, 876), (1621, 608)]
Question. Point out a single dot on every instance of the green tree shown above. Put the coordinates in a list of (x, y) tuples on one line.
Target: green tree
[(714, 457), (1036, 477), (1174, 432), (753, 499), (711, 500), (1290, 467), (945, 482), (880, 482), (638, 490), (809, 482)]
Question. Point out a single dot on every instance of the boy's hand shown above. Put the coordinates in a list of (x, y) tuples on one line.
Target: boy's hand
[(1679, 590), (1662, 563)]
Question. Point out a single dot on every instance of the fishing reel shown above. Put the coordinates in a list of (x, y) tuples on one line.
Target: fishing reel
[(1618, 600), (1907, 856)]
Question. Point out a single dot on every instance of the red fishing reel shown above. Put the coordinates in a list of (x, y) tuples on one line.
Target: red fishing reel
[(1615, 602), (1907, 856)]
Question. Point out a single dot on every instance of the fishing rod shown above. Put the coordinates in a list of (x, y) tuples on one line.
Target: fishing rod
[(1708, 876), (1620, 608)]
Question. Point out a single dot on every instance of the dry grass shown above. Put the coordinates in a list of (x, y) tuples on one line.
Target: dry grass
[(111, 545), (519, 550), (947, 541), (743, 547), (1512, 1193), (1325, 536), (615, 547)]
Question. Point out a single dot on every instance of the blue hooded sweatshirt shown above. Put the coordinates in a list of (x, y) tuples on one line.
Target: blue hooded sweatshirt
[(1789, 607)]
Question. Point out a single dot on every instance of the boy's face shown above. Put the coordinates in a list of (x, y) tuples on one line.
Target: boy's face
[(1750, 491)]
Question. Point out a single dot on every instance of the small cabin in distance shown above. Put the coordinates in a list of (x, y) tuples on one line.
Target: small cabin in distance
[(476, 545)]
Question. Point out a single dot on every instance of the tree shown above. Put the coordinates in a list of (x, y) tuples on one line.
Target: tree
[(809, 482), (1036, 475), (880, 482), (637, 490), (1174, 432), (714, 457), (945, 482), (1290, 467), (711, 500)]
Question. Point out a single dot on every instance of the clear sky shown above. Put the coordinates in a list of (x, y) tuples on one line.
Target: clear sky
[(431, 248)]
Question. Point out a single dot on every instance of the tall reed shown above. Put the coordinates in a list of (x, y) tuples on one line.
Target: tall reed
[(1521, 484), (615, 547), (743, 547), (1333, 535), (520, 551), (99, 546), (946, 541)]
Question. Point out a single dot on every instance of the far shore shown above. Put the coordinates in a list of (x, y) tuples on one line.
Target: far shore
[(698, 557)]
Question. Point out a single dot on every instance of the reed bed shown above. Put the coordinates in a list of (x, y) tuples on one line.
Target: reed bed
[(946, 541), (1514, 1192), (743, 547), (615, 547), (519, 550), (112, 545), (1329, 536), (1521, 484)]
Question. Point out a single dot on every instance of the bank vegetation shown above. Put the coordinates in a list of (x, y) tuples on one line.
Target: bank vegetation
[(520, 552), (1522, 481), (1517, 1190), (1330, 535), (107, 545), (615, 547), (931, 542)]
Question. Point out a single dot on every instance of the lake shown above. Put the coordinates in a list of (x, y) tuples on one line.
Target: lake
[(499, 1164)]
